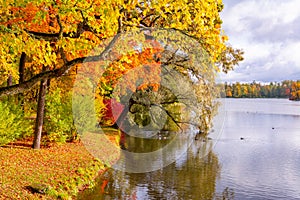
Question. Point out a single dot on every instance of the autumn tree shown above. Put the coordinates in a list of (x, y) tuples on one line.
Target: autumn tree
[(295, 91), (42, 40)]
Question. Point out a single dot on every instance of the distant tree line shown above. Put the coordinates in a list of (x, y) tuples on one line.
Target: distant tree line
[(285, 89)]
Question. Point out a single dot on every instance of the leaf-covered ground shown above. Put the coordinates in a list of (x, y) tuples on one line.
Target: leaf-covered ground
[(64, 169)]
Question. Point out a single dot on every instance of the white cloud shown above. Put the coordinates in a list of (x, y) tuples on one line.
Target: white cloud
[(258, 51), (269, 12), (291, 53), (268, 32)]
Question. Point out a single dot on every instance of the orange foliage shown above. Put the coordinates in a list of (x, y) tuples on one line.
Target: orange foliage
[(145, 66)]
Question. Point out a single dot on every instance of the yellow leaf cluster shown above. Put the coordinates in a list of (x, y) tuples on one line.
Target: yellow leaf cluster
[(30, 27)]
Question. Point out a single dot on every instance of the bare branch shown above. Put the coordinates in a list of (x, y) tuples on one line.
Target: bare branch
[(119, 25), (50, 36), (152, 23), (61, 28), (169, 114)]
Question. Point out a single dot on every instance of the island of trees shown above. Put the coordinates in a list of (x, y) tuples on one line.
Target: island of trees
[(285, 89)]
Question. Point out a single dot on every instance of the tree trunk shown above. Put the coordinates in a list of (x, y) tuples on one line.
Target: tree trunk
[(22, 67), (40, 115), (21, 77), (119, 122), (9, 83), (9, 80)]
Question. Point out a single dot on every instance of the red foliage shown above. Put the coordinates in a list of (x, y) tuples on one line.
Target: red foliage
[(113, 110), (103, 185)]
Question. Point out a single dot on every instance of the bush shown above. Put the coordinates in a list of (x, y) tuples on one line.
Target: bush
[(13, 123), (88, 111), (84, 114), (58, 123)]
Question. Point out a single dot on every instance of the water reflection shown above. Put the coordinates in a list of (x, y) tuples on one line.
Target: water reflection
[(264, 165), (193, 176), (140, 155)]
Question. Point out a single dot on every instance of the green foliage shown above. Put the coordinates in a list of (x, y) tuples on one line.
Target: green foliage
[(84, 114), (13, 123), (58, 117)]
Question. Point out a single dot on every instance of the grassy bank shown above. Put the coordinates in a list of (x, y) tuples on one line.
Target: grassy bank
[(59, 171)]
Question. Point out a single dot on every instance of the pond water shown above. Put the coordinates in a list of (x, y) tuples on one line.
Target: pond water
[(255, 156)]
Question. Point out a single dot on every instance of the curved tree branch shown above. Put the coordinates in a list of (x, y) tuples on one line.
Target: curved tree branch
[(21, 87)]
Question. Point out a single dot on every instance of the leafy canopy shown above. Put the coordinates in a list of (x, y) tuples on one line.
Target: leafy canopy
[(58, 34)]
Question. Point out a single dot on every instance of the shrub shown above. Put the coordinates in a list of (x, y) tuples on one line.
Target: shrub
[(63, 112), (84, 114), (88, 112), (58, 123), (13, 123)]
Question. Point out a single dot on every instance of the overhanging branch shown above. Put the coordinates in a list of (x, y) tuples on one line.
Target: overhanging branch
[(21, 87), (173, 118)]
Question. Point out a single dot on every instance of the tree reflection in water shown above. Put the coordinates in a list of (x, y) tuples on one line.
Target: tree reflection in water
[(193, 176)]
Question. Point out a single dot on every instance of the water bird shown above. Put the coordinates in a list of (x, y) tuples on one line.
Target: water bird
[(242, 138)]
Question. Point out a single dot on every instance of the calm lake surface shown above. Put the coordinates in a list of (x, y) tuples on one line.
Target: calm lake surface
[(255, 155)]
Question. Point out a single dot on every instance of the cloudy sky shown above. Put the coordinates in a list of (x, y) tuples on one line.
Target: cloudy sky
[(269, 33)]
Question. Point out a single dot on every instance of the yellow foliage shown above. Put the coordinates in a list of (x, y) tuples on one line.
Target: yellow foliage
[(41, 28)]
